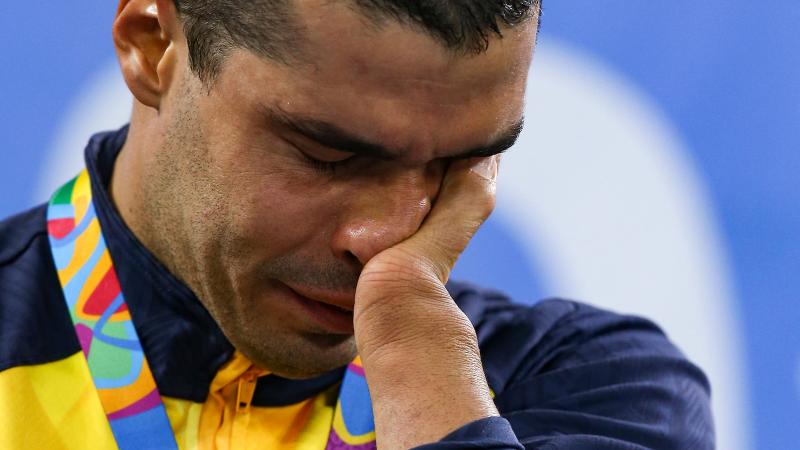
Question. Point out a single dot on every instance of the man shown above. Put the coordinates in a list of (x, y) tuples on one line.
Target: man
[(260, 260)]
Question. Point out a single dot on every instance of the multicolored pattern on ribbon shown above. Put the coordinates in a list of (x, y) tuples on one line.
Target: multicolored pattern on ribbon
[(111, 345), (353, 424), (102, 321)]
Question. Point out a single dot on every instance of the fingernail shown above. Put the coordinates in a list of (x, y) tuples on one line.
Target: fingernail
[(486, 167)]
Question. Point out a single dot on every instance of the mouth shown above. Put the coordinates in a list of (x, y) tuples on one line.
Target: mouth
[(334, 314)]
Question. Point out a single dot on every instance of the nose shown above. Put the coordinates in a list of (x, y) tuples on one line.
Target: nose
[(384, 212)]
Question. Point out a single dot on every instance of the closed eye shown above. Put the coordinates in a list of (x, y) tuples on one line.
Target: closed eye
[(324, 166), (322, 159)]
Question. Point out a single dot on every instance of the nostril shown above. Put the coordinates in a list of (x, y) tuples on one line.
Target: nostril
[(352, 260)]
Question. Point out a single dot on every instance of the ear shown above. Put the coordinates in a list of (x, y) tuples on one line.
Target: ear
[(146, 34)]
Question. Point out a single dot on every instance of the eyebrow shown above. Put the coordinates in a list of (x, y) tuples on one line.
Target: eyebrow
[(334, 137)]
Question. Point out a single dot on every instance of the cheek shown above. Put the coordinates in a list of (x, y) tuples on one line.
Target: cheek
[(274, 202), (275, 212)]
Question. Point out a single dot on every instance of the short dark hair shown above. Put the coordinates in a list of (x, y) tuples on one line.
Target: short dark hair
[(270, 28)]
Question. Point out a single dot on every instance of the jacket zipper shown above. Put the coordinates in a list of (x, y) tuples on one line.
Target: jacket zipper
[(245, 391)]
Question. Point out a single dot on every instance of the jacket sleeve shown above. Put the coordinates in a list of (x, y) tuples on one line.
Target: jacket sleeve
[(590, 379)]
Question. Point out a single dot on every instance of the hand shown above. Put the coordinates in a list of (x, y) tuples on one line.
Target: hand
[(419, 350)]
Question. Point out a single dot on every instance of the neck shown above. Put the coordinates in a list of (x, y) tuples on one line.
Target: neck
[(129, 186), (128, 168)]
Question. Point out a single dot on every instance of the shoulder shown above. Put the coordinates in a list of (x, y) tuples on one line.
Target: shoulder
[(565, 367), (19, 231), (519, 340), (34, 322)]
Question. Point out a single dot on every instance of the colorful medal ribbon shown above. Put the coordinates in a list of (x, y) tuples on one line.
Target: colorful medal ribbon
[(111, 345), (353, 424), (103, 323)]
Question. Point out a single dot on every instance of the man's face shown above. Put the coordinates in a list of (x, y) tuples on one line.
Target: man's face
[(280, 182)]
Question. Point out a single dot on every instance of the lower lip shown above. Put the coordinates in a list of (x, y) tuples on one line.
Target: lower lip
[(333, 319)]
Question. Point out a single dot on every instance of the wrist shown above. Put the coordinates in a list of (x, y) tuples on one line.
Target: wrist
[(420, 394)]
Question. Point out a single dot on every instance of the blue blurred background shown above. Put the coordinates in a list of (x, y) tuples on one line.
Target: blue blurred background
[(658, 173)]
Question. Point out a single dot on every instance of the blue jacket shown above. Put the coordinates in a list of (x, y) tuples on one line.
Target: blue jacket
[(565, 375)]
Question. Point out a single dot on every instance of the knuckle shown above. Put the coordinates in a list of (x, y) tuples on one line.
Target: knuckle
[(485, 205)]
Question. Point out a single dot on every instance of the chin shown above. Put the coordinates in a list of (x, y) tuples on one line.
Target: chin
[(278, 337), (298, 356)]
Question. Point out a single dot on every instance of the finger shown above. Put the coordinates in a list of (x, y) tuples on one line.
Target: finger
[(466, 199)]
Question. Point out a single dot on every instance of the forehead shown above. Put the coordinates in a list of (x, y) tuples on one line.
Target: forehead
[(391, 83)]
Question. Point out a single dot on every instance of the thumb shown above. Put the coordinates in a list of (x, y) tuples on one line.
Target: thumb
[(465, 201)]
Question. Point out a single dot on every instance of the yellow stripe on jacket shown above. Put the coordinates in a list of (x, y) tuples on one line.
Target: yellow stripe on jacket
[(55, 406)]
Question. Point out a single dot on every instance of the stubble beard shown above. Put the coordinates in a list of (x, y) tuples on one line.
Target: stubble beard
[(193, 245)]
